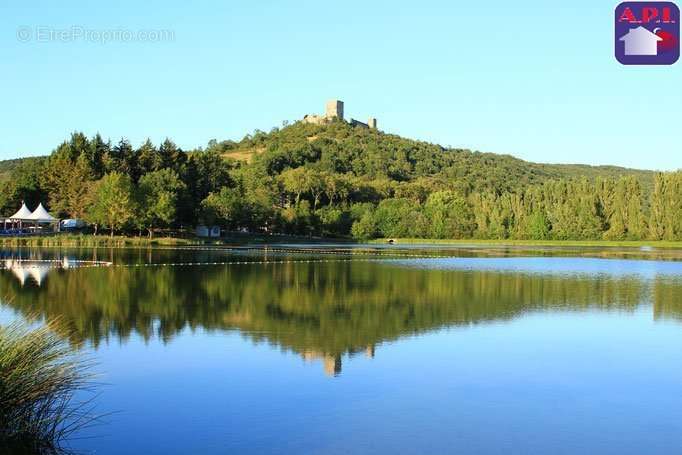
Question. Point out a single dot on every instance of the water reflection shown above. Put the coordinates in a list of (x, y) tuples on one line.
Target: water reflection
[(323, 312), (34, 269), (25, 271)]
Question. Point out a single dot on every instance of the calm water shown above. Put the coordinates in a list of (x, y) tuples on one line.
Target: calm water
[(420, 350)]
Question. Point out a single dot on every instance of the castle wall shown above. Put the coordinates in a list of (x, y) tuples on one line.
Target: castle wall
[(314, 119), (334, 108)]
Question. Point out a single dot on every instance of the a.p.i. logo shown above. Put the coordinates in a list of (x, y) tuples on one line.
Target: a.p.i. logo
[(647, 33)]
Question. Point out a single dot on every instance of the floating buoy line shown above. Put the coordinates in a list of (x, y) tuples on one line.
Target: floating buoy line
[(273, 262), (348, 255), (9, 263), (342, 255)]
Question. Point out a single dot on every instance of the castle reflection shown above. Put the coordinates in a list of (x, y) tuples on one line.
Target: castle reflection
[(322, 312)]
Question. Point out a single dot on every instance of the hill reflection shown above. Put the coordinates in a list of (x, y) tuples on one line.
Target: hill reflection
[(320, 311)]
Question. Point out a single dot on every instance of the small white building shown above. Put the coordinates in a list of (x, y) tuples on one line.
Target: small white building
[(205, 231)]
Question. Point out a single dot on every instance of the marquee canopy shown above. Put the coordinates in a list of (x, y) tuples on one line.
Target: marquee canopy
[(22, 214), (40, 214)]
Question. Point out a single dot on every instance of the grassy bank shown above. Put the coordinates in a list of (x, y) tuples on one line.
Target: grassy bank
[(544, 243), (89, 240), (86, 240), (39, 376)]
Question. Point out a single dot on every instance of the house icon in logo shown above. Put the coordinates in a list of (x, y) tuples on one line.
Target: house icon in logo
[(647, 33), (640, 41)]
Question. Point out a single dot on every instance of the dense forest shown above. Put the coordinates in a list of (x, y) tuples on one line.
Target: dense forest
[(338, 180)]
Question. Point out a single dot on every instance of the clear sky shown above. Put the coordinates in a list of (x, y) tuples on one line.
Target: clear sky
[(534, 79)]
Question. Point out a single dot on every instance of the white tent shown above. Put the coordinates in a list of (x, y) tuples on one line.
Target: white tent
[(22, 214), (40, 214)]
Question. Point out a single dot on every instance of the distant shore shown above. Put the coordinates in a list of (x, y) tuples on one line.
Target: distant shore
[(89, 240), (85, 240), (543, 243)]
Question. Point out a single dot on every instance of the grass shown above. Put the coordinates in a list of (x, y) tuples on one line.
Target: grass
[(88, 240), (39, 376), (244, 154), (550, 243)]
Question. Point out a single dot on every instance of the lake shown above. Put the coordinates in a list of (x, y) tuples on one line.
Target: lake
[(337, 349)]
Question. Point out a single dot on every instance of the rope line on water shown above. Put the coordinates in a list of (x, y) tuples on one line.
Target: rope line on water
[(268, 249), (70, 263), (365, 256), (183, 264)]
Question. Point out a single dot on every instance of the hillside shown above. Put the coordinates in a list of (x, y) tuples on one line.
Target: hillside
[(337, 180), (341, 148), (7, 166)]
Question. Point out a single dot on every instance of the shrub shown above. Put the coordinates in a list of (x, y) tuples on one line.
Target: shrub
[(39, 377)]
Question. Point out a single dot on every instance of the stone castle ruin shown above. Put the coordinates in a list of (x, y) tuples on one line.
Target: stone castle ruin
[(334, 110)]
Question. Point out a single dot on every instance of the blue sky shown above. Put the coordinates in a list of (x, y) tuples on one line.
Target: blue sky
[(527, 78)]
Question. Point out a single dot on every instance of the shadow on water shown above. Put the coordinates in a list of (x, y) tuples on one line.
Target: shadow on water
[(320, 310)]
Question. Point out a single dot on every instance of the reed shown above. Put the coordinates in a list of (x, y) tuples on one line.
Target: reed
[(76, 240), (40, 376)]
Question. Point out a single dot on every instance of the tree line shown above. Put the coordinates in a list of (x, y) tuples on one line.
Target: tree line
[(336, 180), (119, 187)]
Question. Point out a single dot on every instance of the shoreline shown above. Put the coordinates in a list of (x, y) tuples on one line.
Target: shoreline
[(667, 244), (89, 240)]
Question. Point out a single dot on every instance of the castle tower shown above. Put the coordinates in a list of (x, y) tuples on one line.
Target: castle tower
[(334, 109), (372, 123)]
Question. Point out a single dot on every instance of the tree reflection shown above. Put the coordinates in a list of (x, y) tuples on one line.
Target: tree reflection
[(320, 311)]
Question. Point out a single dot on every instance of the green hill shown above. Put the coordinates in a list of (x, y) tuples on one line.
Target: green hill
[(7, 166), (338, 147), (340, 180)]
